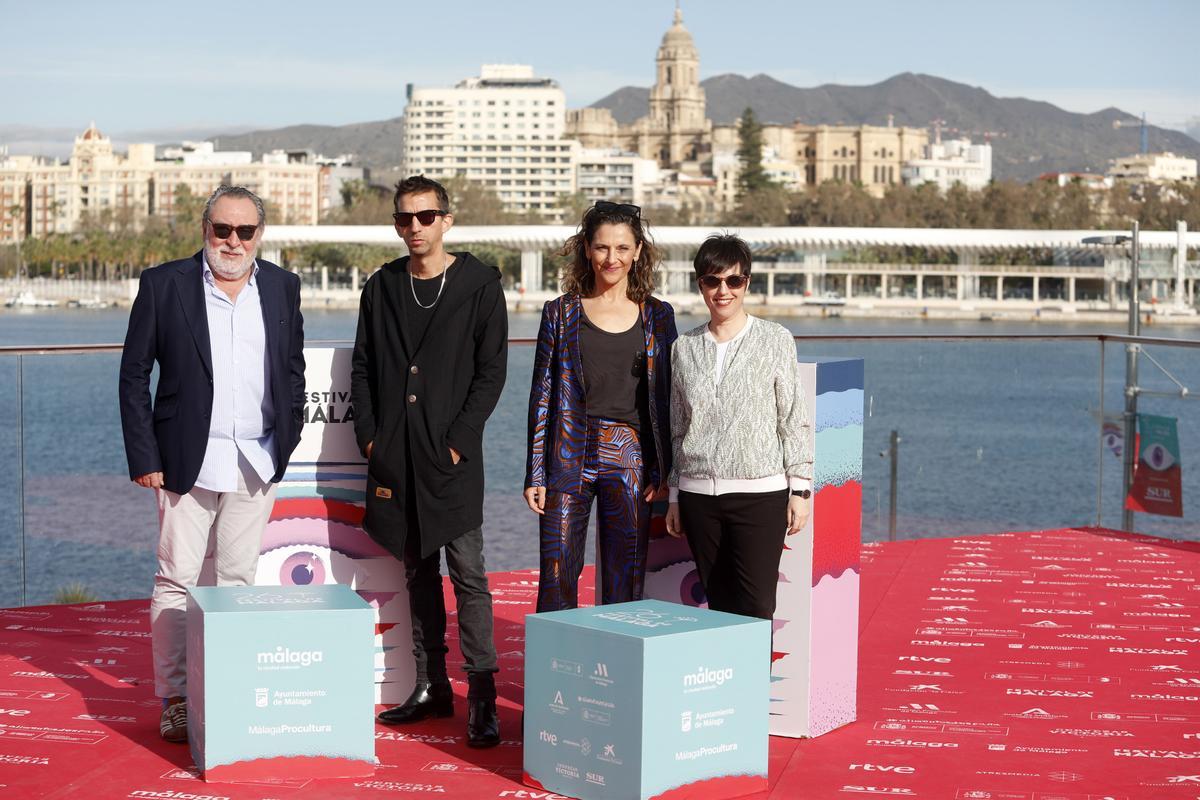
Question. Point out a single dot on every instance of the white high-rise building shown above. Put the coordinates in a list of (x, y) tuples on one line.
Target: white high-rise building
[(504, 129), (955, 161)]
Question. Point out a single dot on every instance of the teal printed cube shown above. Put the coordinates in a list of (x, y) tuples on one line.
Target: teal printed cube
[(646, 700), (281, 682)]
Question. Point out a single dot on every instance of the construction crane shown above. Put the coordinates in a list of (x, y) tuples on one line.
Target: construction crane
[(1129, 123)]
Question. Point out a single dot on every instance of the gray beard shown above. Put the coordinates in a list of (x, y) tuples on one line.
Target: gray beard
[(224, 270)]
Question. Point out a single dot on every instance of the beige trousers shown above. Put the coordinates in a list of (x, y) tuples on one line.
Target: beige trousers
[(226, 525)]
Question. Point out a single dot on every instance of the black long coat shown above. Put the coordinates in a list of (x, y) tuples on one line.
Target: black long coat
[(416, 400)]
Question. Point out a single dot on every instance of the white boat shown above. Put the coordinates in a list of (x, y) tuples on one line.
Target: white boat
[(27, 299), (89, 302), (827, 299)]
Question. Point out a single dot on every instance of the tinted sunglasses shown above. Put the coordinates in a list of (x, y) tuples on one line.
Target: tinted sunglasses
[(732, 281), (604, 207), (223, 230), (426, 217)]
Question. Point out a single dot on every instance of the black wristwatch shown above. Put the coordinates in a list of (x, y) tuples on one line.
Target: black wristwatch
[(803, 494)]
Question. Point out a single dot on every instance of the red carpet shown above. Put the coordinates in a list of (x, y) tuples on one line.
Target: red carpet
[(1027, 666)]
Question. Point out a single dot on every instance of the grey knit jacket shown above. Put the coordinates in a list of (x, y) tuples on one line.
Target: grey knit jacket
[(755, 423)]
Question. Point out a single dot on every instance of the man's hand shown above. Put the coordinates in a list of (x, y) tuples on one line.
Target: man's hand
[(370, 446), (652, 493), (673, 525), (455, 456), (797, 513), (151, 480), (535, 497)]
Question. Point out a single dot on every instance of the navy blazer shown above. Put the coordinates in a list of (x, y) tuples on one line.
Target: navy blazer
[(557, 399), (168, 324)]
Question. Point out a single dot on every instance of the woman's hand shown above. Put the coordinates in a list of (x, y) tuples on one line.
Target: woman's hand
[(535, 497), (673, 526), (798, 511)]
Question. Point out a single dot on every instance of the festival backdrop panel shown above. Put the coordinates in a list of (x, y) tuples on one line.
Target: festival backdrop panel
[(315, 535), (280, 682), (646, 699), (814, 663)]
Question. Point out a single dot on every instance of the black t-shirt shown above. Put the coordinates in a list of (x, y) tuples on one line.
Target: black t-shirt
[(614, 373), (416, 318)]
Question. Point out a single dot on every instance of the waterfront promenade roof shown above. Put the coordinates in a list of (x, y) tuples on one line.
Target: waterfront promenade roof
[(1045, 664), (541, 237)]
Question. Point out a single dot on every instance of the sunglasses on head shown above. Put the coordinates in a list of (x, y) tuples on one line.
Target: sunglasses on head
[(426, 217), (732, 281), (223, 230), (605, 207)]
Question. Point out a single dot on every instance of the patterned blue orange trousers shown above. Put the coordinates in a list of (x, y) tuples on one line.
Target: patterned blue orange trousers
[(613, 476)]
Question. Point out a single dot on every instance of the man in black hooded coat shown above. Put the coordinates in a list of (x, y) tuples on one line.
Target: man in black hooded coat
[(429, 364)]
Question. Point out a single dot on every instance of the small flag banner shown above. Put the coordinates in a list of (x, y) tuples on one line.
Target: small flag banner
[(1158, 477)]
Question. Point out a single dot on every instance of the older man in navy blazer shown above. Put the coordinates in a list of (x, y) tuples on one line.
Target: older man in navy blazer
[(228, 337)]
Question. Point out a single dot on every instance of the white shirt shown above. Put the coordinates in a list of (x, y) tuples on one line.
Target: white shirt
[(243, 410), (723, 349)]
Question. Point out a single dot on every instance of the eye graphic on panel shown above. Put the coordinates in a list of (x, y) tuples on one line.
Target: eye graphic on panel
[(315, 535)]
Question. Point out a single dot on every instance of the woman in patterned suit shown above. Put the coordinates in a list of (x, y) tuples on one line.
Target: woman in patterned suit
[(599, 426), (742, 441)]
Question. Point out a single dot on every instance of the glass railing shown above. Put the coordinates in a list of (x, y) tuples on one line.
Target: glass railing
[(997, 432)]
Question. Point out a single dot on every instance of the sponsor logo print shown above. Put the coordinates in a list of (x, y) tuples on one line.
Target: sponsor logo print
[(1132, 752), (609, 753), (890, 791), (549, 738), (915, 743), (557, 705), (901, 770), (170, 794), (1036, 713), (705, 678), (261, 696), (600, 674), (285, 658), (565, 667)]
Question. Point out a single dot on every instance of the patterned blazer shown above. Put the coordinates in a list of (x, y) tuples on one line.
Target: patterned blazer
[(557, 408)]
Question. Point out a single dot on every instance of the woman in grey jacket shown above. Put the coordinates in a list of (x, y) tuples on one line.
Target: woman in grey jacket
[(742, 441)]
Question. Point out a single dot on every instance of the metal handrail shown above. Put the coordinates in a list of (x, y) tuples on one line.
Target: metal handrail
[(1103, 338)]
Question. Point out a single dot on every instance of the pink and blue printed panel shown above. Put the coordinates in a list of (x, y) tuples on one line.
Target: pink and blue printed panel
[(815, 670), (315, 535), (815, 647)]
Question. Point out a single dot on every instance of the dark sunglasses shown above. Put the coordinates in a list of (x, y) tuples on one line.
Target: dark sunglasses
[(605, 207), (426, 217), (244, 232), (732, 281)]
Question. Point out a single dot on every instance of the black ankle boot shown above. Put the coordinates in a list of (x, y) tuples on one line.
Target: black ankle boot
[(427, 700), (483, 724)]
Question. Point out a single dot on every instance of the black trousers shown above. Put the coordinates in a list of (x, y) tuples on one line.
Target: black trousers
[(427, 606), (737, 541)]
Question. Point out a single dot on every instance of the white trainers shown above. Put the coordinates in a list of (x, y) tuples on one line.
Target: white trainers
[(173, 723)]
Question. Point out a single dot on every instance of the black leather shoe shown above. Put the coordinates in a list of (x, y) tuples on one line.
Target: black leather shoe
[(483, 724), (427, 700)]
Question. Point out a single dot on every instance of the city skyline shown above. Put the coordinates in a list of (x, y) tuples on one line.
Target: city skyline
[(143, 70)]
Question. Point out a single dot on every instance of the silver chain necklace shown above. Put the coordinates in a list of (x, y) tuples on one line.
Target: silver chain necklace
[(412, 285)]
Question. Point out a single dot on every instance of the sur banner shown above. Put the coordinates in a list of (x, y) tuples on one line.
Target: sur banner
[(1158, 477)]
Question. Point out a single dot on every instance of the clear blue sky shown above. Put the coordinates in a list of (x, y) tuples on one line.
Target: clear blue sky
[(142, 66)]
